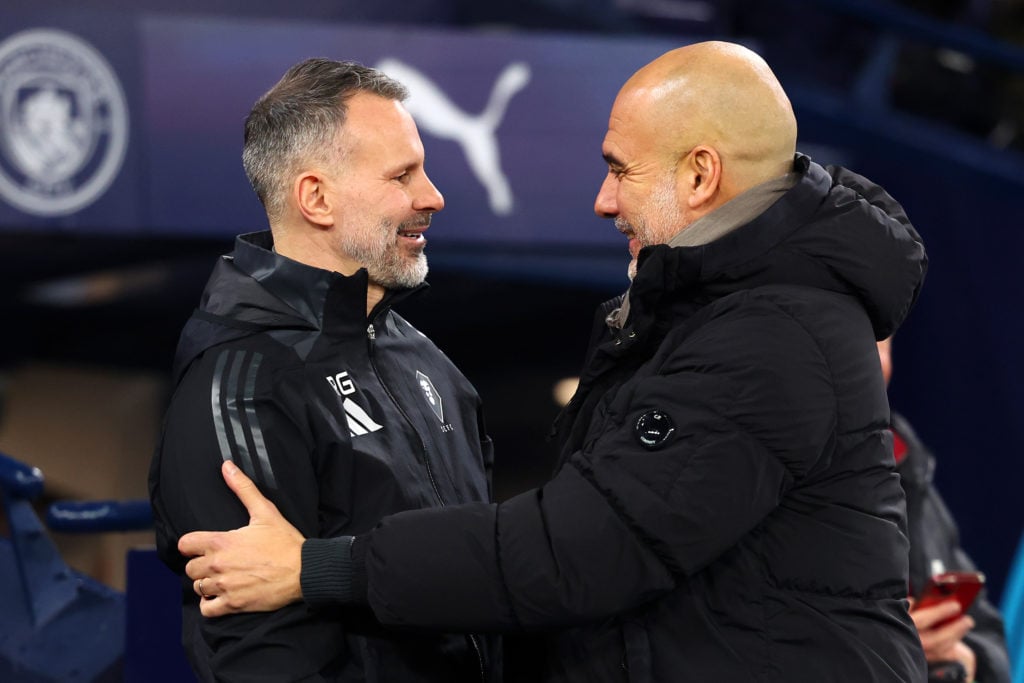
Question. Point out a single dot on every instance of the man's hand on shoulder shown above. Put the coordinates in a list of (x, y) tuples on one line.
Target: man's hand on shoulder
[(252, 569)]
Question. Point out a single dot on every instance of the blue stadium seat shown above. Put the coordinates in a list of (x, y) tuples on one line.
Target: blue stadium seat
[(152, 599), (56, 624), (59, 625)]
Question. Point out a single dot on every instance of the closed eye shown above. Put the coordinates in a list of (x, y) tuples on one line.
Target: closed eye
[(617, 172), (615, 167)]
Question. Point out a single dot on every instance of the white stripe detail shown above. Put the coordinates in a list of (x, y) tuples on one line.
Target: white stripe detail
[(359, 422)]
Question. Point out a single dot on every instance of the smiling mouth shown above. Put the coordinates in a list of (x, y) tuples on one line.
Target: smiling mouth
[(414, 229), (412, 234), (413, 237)]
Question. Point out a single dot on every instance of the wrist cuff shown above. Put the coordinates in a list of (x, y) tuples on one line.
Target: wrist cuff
[(327, 569)]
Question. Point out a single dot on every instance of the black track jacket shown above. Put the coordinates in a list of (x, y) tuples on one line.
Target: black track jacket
[(727, 507), (340, 420)]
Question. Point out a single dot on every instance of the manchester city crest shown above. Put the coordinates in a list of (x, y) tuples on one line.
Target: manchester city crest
[(63, 123)]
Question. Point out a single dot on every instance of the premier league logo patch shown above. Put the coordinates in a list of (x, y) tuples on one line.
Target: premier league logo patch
[(63, 123), (653, 429)]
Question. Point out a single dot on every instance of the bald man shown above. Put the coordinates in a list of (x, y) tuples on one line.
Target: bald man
[(725, 507)]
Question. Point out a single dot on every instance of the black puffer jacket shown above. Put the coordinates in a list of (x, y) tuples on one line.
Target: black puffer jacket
[(935, 547), (341, 419), (727, 506)]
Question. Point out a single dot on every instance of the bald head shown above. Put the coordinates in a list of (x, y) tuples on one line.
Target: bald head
[(687, 133), (717, 94)]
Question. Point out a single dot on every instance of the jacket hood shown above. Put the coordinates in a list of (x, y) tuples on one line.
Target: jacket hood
[(254, 289), (833, 230)]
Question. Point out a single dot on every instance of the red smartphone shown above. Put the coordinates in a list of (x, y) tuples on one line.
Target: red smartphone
[(960, 586)]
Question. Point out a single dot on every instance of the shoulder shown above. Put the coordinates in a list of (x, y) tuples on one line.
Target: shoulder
[(784, 319), (255, 367), (785, 342), (401, 327), (404, 327)]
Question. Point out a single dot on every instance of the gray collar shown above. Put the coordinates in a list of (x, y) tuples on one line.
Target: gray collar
[(735, 213)]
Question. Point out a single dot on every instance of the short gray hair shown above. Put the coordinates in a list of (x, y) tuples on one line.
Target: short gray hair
[(298, 120)]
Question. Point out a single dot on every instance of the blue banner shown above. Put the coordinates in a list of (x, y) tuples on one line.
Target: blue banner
[(121, 123)]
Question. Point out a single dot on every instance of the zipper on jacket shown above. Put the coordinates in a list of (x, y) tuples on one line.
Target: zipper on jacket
[(371, 335), (479, 656)]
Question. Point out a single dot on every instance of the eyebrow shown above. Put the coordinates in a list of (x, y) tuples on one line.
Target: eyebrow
[(612, 161), (402, 167)]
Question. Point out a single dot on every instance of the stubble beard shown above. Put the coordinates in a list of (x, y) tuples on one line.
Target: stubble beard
[(386, 261), (663, 206)]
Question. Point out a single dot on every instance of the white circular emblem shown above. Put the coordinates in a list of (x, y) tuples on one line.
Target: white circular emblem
[(63, 123)]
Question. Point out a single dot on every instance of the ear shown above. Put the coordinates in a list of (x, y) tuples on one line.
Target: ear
[(312, 200), (701, 176)]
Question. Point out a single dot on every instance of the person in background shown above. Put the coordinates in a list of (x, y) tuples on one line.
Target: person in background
[(973, 642), (297, 368), (725, 507)]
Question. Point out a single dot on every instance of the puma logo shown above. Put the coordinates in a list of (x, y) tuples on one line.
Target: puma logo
[(440, 117)]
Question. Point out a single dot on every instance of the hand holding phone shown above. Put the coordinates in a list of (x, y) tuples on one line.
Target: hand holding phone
[(960, 586)]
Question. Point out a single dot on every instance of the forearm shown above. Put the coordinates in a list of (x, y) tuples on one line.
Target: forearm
[(548, 558)]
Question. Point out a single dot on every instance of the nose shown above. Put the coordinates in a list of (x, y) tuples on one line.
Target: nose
[(428, 198), (605, 205)]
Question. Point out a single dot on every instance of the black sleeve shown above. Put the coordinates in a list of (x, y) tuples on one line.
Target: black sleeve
[(619, 525), (227, 406)]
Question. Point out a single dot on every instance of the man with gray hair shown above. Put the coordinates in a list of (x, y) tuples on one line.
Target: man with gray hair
[(726, 506), (296, 368)]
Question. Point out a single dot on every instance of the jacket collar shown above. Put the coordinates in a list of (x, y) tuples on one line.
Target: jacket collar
[(747, 241), (313, 293), (664, 270)]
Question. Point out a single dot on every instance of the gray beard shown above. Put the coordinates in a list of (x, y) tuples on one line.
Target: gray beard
[(385, 263), (397, 273)]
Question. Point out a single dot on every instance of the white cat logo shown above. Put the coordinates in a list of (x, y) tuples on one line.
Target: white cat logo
[(440, 117)]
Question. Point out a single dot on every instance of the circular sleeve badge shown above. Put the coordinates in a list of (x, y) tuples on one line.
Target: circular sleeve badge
[(653, 429)]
